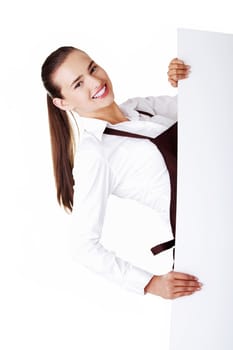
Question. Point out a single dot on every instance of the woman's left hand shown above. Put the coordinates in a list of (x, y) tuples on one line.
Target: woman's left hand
[(177, 70)]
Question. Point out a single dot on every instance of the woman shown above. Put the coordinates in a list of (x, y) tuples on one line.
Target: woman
[(103, 164)]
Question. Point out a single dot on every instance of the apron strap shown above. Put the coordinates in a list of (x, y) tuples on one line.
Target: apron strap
[(167, 144), (116, 132), (146, 113), (163, 246)]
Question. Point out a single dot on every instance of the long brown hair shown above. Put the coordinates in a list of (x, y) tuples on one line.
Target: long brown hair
[(61, 135)]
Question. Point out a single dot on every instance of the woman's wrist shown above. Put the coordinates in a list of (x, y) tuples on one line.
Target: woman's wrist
[(149, 288)]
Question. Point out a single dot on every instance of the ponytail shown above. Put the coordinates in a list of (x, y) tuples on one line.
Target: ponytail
[(61, 133), (62, 143)]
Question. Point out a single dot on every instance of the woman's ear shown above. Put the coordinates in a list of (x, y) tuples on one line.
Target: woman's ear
[(61, 104)]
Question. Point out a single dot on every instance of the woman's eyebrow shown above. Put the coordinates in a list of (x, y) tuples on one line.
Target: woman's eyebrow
[(80, 76), (90, 64)]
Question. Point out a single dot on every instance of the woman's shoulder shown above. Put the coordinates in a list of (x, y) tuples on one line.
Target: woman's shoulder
[(90, 160), (138, 100), (89, 147), (163, 105)]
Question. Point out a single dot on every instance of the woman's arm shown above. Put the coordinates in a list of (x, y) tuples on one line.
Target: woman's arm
[(93, 184)]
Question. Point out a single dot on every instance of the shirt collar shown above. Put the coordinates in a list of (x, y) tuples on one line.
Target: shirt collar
[(94, 126)]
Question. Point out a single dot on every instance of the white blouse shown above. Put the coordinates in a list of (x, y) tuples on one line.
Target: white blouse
[(127, 168)]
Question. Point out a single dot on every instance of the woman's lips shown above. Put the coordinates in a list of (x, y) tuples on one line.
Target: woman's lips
[(101, 93)]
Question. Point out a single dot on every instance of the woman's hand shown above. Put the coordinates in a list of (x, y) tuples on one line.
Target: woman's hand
[(177, 70), (173, 285)]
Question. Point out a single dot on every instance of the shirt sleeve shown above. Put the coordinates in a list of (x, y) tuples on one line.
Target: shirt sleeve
[(92, 189), (165, 106)]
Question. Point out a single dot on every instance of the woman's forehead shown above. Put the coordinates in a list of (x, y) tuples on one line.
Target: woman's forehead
[(75, 64)]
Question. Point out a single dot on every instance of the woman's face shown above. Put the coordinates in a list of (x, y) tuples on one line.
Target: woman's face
[(85, 87)]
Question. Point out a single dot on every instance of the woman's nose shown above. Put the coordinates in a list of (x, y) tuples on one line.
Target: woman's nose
[(94, 82)]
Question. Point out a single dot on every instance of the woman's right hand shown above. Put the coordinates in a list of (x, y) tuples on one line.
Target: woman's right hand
[(173, 285)]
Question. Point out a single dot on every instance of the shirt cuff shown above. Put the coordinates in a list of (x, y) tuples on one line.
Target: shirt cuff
[(136, 279)]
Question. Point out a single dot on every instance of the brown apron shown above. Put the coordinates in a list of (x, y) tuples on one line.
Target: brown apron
[(167, 145)]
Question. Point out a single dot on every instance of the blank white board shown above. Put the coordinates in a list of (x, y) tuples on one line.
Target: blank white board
[(204, 243)]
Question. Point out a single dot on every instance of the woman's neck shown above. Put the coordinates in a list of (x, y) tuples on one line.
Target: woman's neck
[(112, 114)]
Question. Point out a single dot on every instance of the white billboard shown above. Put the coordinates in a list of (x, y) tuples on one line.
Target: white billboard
[(204, 244)]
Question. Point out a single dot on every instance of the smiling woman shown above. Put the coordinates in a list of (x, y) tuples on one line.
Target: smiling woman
[(85, 87), (104, 164)]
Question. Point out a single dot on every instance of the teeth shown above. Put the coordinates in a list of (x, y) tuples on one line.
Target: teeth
[(100, 93)]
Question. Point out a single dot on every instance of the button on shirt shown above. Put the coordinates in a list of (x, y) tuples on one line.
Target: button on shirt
[(128, 168)]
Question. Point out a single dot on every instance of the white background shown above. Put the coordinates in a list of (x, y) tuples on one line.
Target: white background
[(47, 302)]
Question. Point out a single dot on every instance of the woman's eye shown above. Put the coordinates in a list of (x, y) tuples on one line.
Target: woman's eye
[(93, 69), (78, 85)]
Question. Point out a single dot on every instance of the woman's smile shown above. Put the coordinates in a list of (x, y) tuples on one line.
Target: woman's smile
[(101, 92)]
